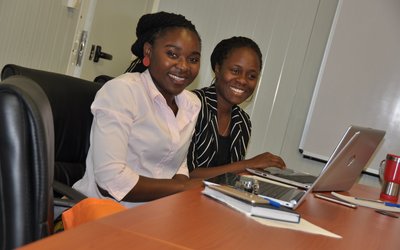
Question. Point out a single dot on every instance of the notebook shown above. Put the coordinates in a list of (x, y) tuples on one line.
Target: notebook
[(340, 172)]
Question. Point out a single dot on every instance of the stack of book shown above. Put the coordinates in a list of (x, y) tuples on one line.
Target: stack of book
[(235, 196)]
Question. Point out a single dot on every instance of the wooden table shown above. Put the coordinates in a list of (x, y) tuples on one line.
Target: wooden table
[(190, 220)]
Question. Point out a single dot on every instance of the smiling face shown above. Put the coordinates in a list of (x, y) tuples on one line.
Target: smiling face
[(237, 76), (174, 60)]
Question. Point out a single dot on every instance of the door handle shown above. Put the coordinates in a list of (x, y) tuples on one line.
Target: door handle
[(81, 47), (99, 54)]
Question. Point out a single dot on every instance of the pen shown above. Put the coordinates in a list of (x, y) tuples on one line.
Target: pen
[(387, 213), (388, 204), (273, 203), (335, 200), (365, 199)]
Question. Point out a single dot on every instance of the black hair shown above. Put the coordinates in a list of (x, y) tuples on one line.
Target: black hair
[(149, 27), (223, 48)]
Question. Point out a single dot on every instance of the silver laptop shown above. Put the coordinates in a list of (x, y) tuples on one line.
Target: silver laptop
[(340, 172)]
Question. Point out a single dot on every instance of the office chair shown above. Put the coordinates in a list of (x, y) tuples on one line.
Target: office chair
[(26, 164), (102, 79), (44, 138), (70, 99)]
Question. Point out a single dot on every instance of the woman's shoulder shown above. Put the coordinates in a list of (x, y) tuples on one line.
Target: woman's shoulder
[(124, 84), (241, 113), (206, 91), (190, 95), (190, 98), (126, 79), (207, 96), (123, 90)]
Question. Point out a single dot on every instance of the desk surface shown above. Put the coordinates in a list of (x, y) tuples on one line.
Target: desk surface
[(190, 220)]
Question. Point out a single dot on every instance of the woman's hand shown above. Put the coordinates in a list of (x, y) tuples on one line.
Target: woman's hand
[(189, 183), (265, 160)]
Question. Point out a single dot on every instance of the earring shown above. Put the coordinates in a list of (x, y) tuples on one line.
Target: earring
[(146, 61)]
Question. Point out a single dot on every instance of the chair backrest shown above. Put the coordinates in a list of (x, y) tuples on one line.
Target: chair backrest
[(26, 163), (70, 99), (102, 79)]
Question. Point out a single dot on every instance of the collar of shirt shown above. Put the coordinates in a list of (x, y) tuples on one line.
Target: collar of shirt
[(187, 103)]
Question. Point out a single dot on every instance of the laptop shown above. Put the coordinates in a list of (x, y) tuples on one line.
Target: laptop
[(305, 180), (276, 192), (339, 174)]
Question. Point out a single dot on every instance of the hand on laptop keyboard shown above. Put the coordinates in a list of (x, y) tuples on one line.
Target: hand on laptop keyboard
[(275, 170), (266, 160)]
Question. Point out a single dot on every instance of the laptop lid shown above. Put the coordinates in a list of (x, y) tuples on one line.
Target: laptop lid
[(284, 176), (346, 164), (342, 147), (281, 176), (347, 161)]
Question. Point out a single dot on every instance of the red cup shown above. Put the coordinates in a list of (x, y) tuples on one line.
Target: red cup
[(391, 178)]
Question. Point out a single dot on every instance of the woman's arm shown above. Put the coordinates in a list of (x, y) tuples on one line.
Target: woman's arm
[(148, 189), (260, 161)]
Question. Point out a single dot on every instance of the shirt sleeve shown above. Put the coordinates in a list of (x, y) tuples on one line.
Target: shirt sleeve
[(183, 169), (191, 156), (110, 132)]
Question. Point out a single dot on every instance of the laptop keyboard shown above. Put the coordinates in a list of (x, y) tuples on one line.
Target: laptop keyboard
[(271, 190), (290, 174), (279, 192), (298, 178)]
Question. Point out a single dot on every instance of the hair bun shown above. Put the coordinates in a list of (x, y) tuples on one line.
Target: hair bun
[(155, 21), (152, 23)]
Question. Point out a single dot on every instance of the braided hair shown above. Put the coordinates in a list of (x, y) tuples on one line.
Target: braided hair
[(223, 48), (149, 28)]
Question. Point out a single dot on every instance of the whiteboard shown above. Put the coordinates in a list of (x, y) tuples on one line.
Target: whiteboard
[(359, 80)]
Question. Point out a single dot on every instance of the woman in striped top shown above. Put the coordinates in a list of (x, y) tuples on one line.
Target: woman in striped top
[(223, 129)]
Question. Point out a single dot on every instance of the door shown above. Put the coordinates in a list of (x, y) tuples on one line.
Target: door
[(109, 27), (37, 33)]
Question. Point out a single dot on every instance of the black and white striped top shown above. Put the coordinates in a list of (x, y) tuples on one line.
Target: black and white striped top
[(204, 145)]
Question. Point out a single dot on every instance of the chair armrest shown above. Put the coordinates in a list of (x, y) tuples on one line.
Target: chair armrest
[(72, 194), (61, 204)]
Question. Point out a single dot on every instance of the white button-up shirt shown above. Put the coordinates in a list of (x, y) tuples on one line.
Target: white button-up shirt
[(135, 132)]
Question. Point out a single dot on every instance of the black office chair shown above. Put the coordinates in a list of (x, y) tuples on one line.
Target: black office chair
[(102, 79), (44, 138), (26, 164), (70, 99)]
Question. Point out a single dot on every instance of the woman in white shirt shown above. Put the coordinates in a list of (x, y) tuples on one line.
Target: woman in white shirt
[(143, 122)]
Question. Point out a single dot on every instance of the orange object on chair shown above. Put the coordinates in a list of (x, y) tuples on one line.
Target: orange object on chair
[(89, 209)]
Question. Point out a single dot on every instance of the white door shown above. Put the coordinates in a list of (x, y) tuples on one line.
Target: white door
[(37, 33), (110, 28)]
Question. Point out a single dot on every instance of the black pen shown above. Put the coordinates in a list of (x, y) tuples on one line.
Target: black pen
[(387, 213)]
